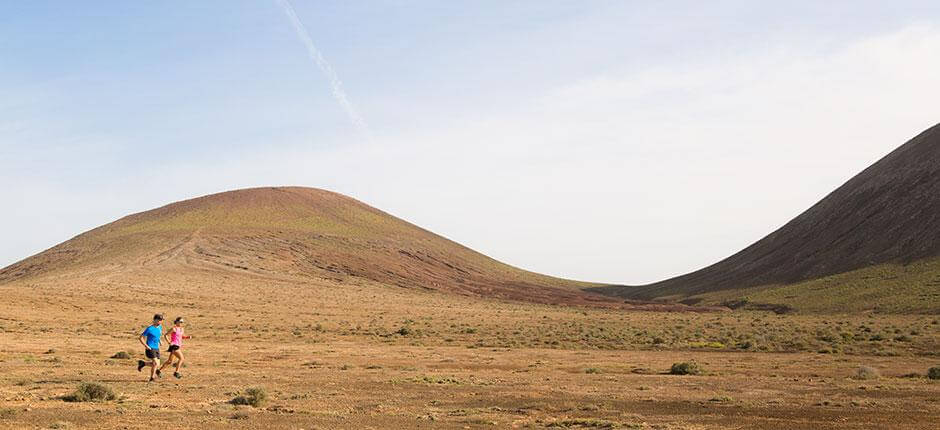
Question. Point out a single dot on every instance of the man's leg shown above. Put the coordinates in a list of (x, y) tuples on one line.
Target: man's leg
[(153, 367)]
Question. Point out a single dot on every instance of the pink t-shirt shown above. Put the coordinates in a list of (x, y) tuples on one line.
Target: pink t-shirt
[(176, 336)]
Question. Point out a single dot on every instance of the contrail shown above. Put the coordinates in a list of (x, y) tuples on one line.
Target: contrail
[(335, 84)]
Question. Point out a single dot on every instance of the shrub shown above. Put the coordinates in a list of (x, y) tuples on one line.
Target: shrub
[(91, 392), (933, 372), (404, 331), (255, 397), (592, 370), (121, 355), (686, 368), (867, 373)]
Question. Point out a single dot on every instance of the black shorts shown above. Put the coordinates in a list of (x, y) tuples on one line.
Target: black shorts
[(152, 353), (173, 348)]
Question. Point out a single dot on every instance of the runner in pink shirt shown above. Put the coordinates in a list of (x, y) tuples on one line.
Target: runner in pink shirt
[(176, 346)]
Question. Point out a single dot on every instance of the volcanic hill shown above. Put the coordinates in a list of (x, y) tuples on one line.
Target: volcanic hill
[(290, 233), (872, 244)]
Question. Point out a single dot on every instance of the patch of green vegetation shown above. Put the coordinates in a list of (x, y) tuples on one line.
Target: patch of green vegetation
[(254, 397), (886, 288), (91, 392)]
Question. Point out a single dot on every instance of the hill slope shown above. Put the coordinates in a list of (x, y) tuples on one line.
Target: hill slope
[(886, 217), (288, 233)]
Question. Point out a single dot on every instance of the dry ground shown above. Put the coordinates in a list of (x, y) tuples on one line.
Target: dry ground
[(357, 355)]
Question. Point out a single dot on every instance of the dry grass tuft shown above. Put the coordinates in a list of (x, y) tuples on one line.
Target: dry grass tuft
[(254, 397), (686, 368), (866, 373), (91, 392)]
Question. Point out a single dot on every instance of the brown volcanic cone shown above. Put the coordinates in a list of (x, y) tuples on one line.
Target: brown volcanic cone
[(292, 234), (889, 213)]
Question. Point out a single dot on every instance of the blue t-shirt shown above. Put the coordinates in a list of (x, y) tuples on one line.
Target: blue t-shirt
[(153, 334)]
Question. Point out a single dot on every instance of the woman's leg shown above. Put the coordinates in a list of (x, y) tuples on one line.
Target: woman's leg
[(179, 359), (168, 361)]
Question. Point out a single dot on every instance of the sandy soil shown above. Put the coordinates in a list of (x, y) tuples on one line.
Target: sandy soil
[(333, 355)]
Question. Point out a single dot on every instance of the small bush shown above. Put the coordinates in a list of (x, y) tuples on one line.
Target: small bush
[(686, 368), (592, 370), (933, 373), (867, 373), (121, 355), (254, 397), (91, 392), (405, 331)]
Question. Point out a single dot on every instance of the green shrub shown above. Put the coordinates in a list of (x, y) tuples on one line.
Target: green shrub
[(91, 392), (933, 372), (686, 368), (405, 331), (255, 397), (121, 355)]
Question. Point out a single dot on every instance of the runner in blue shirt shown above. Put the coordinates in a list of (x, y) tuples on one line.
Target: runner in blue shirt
[(150, 339)]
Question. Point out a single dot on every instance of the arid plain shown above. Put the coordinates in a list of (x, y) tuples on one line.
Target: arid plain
[(361, 355)]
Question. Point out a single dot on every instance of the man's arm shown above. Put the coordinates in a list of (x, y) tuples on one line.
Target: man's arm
[(143, 342)]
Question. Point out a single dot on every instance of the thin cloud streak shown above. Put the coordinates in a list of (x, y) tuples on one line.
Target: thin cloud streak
[(336, 85)]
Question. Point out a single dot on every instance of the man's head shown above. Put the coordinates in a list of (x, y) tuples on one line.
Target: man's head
[(157, 319)]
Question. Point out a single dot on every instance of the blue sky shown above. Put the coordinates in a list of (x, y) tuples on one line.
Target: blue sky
[(612, 141)]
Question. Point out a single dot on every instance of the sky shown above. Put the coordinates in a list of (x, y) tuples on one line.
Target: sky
[(611, 141)]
